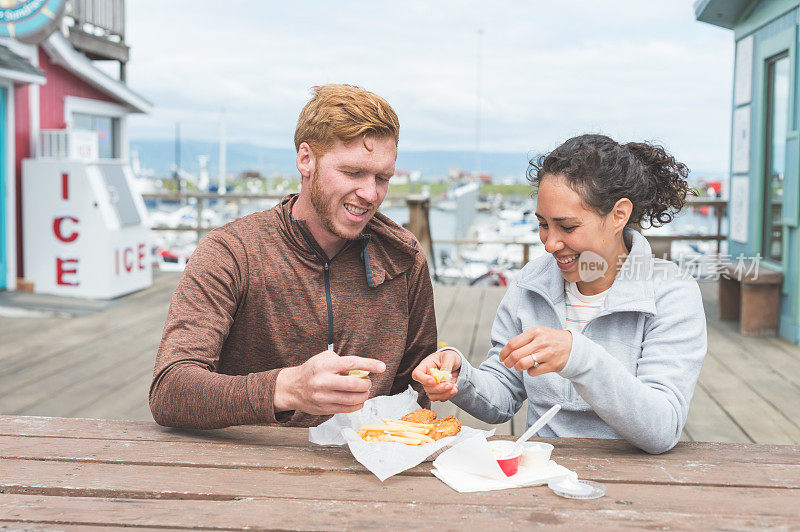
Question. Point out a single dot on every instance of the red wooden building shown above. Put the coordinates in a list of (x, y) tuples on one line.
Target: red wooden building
[(55, 84)]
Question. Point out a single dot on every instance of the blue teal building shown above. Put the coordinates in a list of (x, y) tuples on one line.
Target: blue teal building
[(764, 207)]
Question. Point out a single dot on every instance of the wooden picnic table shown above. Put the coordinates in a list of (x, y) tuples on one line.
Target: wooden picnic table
[(78, 473)]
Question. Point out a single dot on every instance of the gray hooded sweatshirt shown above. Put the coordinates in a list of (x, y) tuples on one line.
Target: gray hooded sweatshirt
[(631, 372)]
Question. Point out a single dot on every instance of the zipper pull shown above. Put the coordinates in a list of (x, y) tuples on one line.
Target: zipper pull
[(326, 266)]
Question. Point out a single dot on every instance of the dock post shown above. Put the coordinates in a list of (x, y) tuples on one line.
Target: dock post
[(419, 224), (199, 207)]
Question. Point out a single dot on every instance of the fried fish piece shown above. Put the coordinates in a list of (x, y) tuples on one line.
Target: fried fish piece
[(444, 427), (420, 416)]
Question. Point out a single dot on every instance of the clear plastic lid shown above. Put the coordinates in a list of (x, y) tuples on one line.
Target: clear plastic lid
[(572, 488)]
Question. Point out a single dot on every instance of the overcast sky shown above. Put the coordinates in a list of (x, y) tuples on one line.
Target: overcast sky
[(632, 69)]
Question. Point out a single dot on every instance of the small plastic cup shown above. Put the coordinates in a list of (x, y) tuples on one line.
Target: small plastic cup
[(509, 464), (536, 454)]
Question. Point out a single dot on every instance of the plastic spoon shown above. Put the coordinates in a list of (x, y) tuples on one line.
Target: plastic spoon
[(541, 422)]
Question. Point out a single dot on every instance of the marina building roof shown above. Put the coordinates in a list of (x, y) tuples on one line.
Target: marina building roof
[(61, 52), (17, 68), (723, 13)]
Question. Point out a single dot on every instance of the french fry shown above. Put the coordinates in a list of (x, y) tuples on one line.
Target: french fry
[(424, 437), (378, 430), (408, 423), (373, 427), (418, 430), (441, 376), (400, 439)]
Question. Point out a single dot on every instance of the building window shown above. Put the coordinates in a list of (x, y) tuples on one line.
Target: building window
[(776, 131), (106, 127)]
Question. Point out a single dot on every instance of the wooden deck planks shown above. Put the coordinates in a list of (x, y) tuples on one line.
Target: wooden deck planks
[(444, 297), (129, 400), (756, 417), (72, 378), (97, 388), (444, 301), (466, 328), (71, 334), (75, 363), (759, 376), (707, 421)]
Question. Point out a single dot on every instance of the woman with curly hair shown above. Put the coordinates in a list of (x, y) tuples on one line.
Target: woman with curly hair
[(597, 324)]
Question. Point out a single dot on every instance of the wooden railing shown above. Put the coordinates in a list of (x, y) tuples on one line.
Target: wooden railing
[(199, 198), (66, 144), (659, 243), (106, 15)]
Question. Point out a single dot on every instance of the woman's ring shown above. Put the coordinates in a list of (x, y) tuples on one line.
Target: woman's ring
[(535, 362)]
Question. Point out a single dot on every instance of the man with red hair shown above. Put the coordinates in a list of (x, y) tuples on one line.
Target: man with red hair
[(275, 309)]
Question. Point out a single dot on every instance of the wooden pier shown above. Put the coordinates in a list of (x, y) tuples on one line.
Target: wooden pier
[(99, 364)]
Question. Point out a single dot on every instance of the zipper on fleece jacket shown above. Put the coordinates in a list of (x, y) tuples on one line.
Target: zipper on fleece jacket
[(326, 267), (326, 275)]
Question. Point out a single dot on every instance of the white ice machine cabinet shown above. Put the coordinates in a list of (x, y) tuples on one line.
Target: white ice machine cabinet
[(84, 228)]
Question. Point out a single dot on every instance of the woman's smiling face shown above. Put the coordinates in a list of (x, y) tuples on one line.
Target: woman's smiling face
[(569, 230)]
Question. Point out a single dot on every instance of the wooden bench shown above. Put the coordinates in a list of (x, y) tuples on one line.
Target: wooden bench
[(751, 295)]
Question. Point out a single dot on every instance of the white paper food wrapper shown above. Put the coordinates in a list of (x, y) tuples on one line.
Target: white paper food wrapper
[(471, 466), (384, 459)]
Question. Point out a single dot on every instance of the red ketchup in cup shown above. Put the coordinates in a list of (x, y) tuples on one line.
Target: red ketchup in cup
[(508, 463)]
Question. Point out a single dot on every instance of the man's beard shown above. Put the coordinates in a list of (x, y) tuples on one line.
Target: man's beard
[(325, 208)]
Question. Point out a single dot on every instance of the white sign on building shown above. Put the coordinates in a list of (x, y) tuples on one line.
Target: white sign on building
[(83, 145), (740, 142), (743, 75), (739, 208)]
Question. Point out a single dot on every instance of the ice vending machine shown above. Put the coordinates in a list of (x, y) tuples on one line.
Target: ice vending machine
[(84, 228)]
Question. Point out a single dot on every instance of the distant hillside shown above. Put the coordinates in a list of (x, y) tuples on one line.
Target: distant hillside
[(159, 156)]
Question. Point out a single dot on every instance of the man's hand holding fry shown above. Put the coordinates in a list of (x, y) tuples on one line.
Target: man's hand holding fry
[(323, 385), (444, 361)]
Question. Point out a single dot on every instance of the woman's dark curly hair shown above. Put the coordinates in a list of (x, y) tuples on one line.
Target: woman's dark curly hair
[(602, 172)]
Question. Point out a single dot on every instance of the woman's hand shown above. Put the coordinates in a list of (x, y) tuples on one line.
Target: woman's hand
[(446, 360), (547, 349)]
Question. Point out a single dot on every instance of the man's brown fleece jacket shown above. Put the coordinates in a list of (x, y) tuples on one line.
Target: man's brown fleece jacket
[(252, 300)]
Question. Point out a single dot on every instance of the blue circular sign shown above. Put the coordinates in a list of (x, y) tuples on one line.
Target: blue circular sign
[(30, 21)]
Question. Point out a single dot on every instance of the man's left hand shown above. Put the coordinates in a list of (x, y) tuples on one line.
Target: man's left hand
[(548, 347)]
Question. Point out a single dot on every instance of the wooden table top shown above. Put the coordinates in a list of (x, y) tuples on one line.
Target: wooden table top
[(78, 473)]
